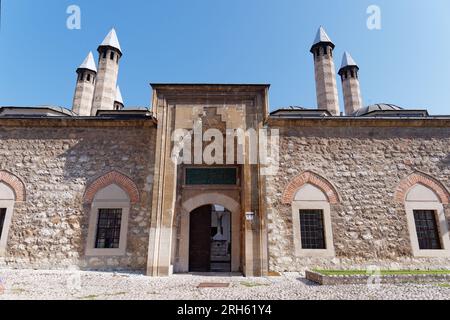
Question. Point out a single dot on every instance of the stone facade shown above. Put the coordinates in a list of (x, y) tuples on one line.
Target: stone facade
[(214, 106), (365, 168), (366, 162), (58, 161)]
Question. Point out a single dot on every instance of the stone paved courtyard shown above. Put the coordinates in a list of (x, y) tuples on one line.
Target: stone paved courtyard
[(29, 284)]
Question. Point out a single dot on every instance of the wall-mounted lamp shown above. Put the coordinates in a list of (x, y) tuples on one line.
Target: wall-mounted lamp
[(250, 216)]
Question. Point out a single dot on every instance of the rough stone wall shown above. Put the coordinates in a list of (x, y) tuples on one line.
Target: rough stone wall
[(49, 229), (365, 165)]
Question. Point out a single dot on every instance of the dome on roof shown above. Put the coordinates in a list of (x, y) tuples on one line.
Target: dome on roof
[(376, 107)]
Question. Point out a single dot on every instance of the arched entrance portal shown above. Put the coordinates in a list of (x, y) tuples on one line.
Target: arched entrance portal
[(197, 226), (210, 239)]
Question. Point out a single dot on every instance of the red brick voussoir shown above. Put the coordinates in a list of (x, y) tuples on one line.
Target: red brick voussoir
[(15, 184), (312, 178), (113, 177), (421, 178)]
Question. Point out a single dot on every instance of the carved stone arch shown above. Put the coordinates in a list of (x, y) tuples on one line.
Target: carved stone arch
[(424, 179), (210, 198), (113, 177), (314, 179), (15, 183)]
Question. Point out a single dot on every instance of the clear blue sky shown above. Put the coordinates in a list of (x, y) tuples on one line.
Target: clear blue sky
[(407, 62)]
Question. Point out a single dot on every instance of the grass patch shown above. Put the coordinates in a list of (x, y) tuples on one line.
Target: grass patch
[(444, 285), (252, 284), (383, 272)]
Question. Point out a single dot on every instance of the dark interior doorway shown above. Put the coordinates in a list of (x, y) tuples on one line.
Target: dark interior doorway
[(210, 239)]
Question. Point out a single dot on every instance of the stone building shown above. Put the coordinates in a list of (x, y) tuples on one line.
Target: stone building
[(103, 187)]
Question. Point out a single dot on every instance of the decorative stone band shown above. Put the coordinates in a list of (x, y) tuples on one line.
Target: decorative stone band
[(15, 183), (424, 179), (113, 177), (309, 177)]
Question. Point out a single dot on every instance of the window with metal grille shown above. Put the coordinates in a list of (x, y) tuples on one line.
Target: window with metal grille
[(312, 229), (427, 230), (108, 228), (2, 219)]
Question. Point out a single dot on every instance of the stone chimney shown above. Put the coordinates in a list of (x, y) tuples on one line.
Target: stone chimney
[(108, 70), (84, 92), (325, 73), (350, 84)]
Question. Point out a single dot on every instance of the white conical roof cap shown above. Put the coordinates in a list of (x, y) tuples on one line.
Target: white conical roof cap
[(111, 40), (89, 63), (321, 36), (348, 61), (118, 95)]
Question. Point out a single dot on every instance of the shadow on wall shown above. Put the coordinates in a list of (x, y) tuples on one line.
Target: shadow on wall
[(445, 163)]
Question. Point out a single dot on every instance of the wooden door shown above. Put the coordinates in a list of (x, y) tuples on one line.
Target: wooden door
[(200, 240)]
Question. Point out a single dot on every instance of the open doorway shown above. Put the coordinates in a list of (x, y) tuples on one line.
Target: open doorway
[(210, 239)]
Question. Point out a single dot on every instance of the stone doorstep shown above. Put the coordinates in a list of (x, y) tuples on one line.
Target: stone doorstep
[(364, 279)]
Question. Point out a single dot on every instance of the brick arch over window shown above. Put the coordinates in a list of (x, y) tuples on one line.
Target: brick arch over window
[(15, 183), (113, 177), (421, 178), (309, 177)]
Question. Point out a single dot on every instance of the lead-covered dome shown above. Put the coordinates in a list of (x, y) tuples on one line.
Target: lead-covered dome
[(376, 107)]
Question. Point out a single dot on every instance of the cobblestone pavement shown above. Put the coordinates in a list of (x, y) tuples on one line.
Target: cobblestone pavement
[(48, 285)]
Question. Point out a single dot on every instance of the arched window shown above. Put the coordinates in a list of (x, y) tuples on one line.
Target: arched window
[(313, 235), (427, 223), (110, 198)]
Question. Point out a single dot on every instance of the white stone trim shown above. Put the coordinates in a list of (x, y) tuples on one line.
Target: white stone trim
[(119, 200), (410, 206), (312, 205)]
